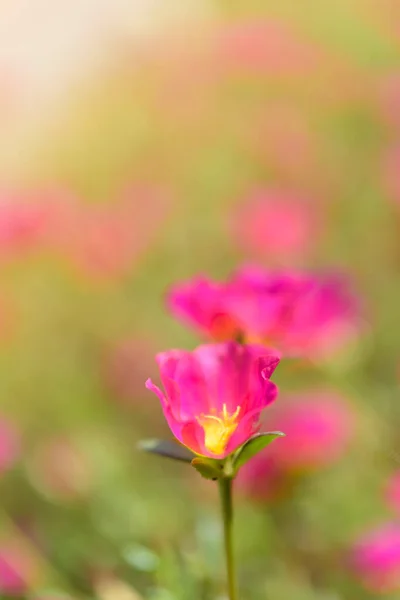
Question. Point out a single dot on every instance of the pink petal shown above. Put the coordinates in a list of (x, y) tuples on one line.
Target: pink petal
[(248, 426), (173, 423), (154, 388), (196, 302), (192, 436), (267, 365), (184, 384)]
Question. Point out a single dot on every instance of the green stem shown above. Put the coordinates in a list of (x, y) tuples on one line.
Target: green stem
[(225, 489)]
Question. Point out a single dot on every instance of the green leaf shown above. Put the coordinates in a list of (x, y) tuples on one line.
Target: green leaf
[(167, 448), (253, 446), (208, 468)]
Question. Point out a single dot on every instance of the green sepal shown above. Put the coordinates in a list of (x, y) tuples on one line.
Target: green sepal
[(208, 468), (168, 449), (253, 446)]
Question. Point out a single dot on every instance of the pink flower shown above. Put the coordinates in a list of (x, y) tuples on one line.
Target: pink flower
[(9, 445), (262, 480), (201, 303), (318, 427), (260, 46), (26, 219), (299, 313), (375, 559), (392, 492), (18, 568), (277, 224), (213, 397), (105, 241)]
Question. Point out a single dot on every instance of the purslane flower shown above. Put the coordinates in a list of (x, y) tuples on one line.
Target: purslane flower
[(375, 558), (213, 397), (392, 492), (201, 303), (106, 241), (277, 224), (19, 569), (301, 314), (319, 425)]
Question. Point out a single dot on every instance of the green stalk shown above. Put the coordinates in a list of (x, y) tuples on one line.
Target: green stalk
[(225, 489)]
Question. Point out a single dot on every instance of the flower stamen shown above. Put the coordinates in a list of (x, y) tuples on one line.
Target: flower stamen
[(218, 430)]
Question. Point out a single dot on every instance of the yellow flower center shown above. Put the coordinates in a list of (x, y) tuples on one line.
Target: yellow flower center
[(218, 429)]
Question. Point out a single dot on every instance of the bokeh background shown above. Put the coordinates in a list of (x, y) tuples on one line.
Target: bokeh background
[(143, 143)]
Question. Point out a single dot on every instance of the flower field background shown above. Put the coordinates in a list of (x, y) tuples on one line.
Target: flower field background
[(216, 138)]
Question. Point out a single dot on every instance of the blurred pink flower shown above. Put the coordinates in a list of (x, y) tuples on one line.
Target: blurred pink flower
[(106, 241), (375, 559), (99, 244), (213, 397), (391, 173), (318, 424), (278, 225), (33, 220), (200, 302), (9, 444), (318, 427), (25, 220), (18, 568), (261, 46), (262, 480), (392, 492), (299, 313)]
